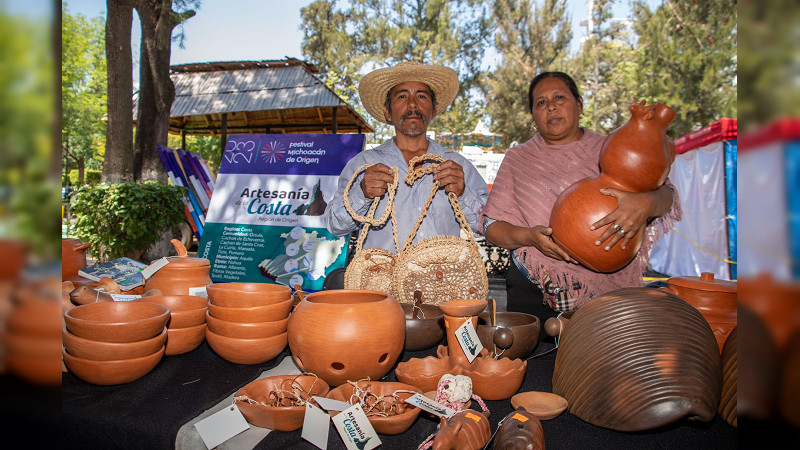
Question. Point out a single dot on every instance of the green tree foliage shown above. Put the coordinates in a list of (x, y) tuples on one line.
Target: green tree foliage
[(123, 219), (530, 38), (605, 69), (206, 146), (83, 91), (686, 58), (364, 35)]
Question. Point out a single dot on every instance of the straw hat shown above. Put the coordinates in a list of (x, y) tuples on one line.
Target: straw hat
[(374, 87)]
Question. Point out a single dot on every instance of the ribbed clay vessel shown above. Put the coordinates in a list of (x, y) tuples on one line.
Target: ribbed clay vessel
[(727, 404), (636, 359), (344, 334)]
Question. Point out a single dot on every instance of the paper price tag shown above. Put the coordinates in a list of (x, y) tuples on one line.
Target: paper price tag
[(316, 426), (124, 297), (468, 339), (355, 429), (199, 291), (433, 407), (154, 267), (221, 426), (331, 405)]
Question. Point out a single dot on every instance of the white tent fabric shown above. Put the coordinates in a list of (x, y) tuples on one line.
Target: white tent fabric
[(701, 241)]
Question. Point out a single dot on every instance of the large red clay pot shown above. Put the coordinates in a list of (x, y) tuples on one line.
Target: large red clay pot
[(636, 157), (73, 257), (344, 334), (180, 274)]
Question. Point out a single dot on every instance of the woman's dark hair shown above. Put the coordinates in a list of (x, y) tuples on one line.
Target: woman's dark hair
[(573, 88)]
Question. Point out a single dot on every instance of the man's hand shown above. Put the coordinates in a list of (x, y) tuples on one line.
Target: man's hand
[(450, 176), (377, 179)]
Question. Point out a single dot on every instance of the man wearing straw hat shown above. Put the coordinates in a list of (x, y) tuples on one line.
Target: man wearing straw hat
[(407, 96)]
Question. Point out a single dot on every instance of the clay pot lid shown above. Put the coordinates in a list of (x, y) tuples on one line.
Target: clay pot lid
[(705, 282), (183, 261)]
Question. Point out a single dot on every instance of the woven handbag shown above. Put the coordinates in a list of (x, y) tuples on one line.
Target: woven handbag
[(443, 267), (371, 268)]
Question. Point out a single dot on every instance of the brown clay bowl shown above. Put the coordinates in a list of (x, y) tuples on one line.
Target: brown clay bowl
[(426, 330), (244, 295), (265, 313), (183, 340), (394, 424), (247, 351), (184, 310), (281, 418), (36, 318), (32, 345), (542, 405), (36, 369), (524, 330), (117, 321), (110, 351), (247, 330), (118, 371)]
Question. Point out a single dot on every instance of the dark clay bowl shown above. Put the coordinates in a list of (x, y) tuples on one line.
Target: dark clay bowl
[(426, 330), (524, 327)]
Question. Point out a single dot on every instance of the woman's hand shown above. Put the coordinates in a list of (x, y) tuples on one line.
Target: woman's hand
[(633, 211), (542, 240)]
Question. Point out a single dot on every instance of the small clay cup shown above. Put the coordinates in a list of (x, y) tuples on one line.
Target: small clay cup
[(183, 340), (247, 330), (524, 328), (280, 418), (246, 351), (110, 351), (184, 310), (118, 371), (265, 313), (117, 321), (426, 330), (395, 424), (245, 295)]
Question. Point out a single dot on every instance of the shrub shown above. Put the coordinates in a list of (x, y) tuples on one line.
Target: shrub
[(125, 219)]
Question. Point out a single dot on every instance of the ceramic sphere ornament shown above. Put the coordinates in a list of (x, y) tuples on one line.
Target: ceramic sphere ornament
[(635, 157)]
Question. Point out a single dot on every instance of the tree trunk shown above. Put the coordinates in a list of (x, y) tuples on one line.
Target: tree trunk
[(156, 92), (118, 163)]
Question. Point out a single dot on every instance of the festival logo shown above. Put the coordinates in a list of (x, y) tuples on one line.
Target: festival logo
[(273, 152)]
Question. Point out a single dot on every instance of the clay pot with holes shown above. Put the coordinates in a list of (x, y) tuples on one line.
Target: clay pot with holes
[(181, 273), (715, 299), (346, 334)]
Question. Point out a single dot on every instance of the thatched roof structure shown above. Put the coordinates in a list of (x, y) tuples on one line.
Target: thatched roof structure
[(244, 97)]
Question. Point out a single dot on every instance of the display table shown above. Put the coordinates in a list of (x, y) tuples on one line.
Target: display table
[(149, 412)]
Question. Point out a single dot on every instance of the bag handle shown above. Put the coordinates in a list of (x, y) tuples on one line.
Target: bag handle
[(416, 173), (369, 219)]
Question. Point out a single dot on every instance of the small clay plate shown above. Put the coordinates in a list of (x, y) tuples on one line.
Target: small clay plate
[(543, 405)]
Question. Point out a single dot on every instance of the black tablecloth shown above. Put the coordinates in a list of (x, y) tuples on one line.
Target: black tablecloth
[(148, 412)]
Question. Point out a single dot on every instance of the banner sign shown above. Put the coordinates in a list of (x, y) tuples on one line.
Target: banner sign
[(264, 223)]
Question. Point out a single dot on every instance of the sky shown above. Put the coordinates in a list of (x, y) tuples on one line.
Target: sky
[(236, 30)]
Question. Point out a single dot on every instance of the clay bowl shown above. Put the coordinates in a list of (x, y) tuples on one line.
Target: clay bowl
[(183, 340), (524, 330), (184, 310), (463, 308), (36, 369), (542, 405), (394, 424), (265, 313), (281, 418), (426, 330), (247, 330), (244, 295), (36, 318), (110, 351), (118, 371), (247, 351), (117, 321)]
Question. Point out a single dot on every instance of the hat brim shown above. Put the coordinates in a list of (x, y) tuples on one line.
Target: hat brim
[(373, 88)]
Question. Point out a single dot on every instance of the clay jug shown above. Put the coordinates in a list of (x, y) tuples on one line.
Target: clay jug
[(73, 257), (181, 274), (344, 334), (636, 157), (715, 299), (14, 260)]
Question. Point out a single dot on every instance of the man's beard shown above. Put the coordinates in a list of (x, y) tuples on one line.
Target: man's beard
[(414, 132)]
